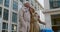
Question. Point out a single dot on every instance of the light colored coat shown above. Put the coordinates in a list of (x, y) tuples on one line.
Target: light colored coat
[(24, 20)]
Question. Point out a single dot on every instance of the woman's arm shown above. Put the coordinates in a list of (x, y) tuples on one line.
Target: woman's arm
[(41, 22)]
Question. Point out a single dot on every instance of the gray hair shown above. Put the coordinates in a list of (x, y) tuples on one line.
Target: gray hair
[(26, 2)]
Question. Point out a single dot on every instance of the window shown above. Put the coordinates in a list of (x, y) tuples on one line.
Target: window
[(14, 28), (13, 31), (55, 19), (5, 14), (14, 17), (4, 27), (6, 3), (54, 4), (0, 26), (15, 5), (35, 7), (4, 31), (38, 7), (55, 22), (21, 0), (1, 1), (0, 11), (32, 2), (27, 0)]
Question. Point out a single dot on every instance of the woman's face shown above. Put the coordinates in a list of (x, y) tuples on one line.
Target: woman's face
[(37, 15), (32, 10)]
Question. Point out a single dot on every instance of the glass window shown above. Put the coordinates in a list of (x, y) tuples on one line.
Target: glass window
[(54, 4), (55, 19), (6, 3), (27, 0), (0, 11), (38, 7), (32, 2), (14, 27), (14, 17), (21, 0), (0, 26), (5, 14), (35, 7), (13, 31), (4, 25), (15, 5), (1, 1), (4, 31)]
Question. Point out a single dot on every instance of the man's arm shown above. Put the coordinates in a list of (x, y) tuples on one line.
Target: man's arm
[(21, 15), (22, 22)]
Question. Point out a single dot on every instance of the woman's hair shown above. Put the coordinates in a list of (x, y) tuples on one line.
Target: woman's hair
[(32, 10)]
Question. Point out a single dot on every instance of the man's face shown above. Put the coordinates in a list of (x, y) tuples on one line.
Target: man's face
[(27, 5)]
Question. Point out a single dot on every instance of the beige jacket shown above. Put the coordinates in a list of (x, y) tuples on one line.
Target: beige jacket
[(24, 19)]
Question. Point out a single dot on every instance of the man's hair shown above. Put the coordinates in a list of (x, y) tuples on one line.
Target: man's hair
[(26, 2)]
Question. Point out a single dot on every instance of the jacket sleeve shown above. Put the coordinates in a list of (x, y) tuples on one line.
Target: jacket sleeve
[(22, 22), (21, 15)]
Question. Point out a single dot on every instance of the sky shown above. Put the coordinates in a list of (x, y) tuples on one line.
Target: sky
[(41, 2)]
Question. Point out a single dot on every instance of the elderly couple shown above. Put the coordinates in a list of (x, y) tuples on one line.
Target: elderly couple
[(29, 19)]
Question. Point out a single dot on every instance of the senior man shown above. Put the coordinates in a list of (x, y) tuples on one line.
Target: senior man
[(25, 18)]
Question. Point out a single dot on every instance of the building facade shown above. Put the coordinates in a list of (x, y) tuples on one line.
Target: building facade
[(9, 14), (52, 14)]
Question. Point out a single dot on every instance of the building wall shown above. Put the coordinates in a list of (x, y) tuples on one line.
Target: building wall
[(48, 21), (48, 11), (46, 4), (9, 21), (47, 16)]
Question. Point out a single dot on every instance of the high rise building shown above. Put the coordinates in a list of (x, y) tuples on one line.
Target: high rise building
[(52, 14), (9, 14)]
